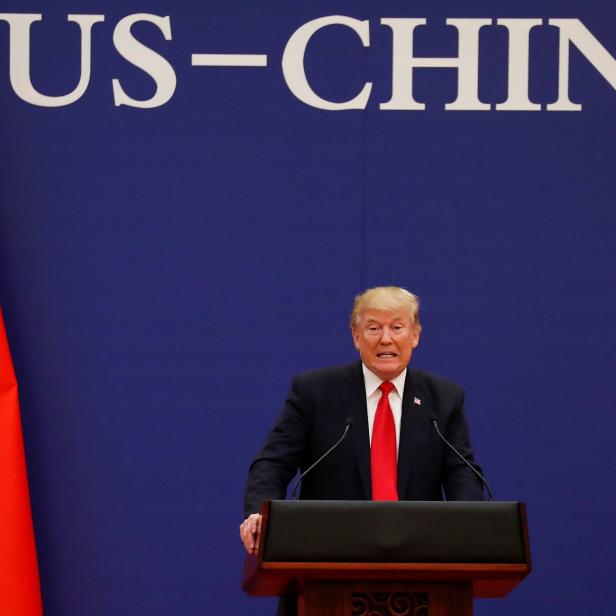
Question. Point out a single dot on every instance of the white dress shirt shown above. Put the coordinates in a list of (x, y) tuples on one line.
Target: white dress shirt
[(373, 395)]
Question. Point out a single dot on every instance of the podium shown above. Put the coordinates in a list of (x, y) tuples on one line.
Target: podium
[(392, 558)]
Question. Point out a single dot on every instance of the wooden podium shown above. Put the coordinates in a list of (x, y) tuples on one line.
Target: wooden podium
[(393, 558)]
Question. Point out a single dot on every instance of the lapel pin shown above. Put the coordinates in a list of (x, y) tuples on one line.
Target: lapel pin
[(416, 401)]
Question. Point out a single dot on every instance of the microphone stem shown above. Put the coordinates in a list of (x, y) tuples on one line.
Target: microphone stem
[(485, 483), (294, 495)]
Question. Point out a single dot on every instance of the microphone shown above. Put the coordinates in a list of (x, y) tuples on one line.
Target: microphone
[(481, 477), (348, 422)]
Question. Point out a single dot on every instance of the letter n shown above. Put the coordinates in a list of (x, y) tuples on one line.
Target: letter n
[(574, 31)]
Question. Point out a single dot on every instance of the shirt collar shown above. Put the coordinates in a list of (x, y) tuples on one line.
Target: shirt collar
[(372, 381)]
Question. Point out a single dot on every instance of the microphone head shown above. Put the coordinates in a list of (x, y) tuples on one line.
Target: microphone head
[(349, 421)]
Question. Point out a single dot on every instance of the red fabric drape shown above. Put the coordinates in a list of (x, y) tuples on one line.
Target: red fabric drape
[(20, 593)]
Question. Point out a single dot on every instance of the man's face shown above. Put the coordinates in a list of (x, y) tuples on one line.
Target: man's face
[(385, 341)]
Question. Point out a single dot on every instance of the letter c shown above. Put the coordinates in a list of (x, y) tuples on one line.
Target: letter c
[(293, 62)]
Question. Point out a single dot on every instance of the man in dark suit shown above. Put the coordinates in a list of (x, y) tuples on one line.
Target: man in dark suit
[(393, 451)]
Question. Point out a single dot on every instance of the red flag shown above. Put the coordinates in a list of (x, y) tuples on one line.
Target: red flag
[(20, 593)]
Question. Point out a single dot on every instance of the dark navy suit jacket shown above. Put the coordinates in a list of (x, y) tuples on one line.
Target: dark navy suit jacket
[(313, 419)]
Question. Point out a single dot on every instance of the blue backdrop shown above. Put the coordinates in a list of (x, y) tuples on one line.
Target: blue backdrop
[(164, 272)]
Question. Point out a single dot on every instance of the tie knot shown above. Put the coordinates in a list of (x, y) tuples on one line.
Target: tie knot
[(386, 387)]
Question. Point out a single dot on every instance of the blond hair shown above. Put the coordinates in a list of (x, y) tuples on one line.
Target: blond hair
[(385, 298)]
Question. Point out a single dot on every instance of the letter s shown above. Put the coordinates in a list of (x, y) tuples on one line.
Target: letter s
[(144, 58)]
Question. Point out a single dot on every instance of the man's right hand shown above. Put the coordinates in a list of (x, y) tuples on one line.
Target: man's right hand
[(250, 531)]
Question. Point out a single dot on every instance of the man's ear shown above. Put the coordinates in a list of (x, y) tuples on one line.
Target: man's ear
[(355, 335), (416, 334)]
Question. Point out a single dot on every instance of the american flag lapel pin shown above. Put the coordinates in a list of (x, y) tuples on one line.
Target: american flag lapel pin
[(416, 401)]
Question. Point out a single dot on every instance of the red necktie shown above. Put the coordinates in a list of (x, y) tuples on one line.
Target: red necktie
[(383, 450)]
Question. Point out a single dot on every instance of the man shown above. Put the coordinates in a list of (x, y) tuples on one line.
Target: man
[(392, 451)]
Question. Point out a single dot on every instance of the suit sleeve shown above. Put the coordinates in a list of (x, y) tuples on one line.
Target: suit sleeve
[(278, 461), (459, 482)]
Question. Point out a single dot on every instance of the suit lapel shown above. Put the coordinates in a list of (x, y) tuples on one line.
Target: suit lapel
[(416, 406), (353, 396)]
